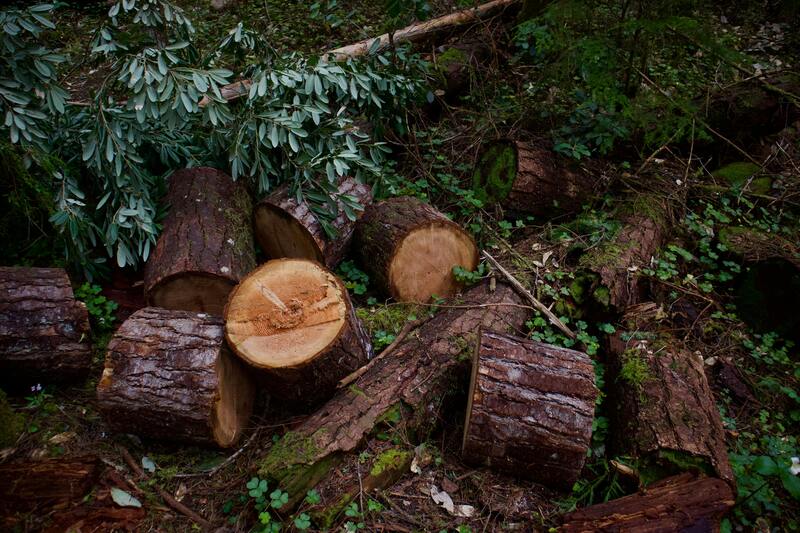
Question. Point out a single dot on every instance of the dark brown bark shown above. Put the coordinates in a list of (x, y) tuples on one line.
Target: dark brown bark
[(168, 375), (206, 246), (754, 246), (457, 64), (531, 409), (44, 330), (27, 484), (528, 177), (304, 304), (678, 504), (403, 390), (663, 410), (409, 249), (286, 228)]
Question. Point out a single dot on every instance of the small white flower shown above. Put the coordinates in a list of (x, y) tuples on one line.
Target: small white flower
[(795, 468), (225, 270)]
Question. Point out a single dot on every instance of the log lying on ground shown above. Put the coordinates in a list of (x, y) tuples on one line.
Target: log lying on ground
[(409, 249), (678, 503), (527, 177), (404, 389), (44, 330), (168, 375), (664, 413), (754, 246), (293, 320), (531, 409), (206, 246), (285, 227), (456, 64), (26, 484)]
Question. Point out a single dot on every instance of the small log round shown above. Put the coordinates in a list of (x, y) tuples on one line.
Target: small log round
[(525, 177), (168, 375), (44, 330), (409, 249), (206, 246), (285, 227), (293, 320), (531, 408)]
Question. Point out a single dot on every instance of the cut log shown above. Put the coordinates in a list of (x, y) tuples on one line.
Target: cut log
[(680, 503), (206, 246), (455, 65), (168, 375), (44, 330), (531, 409), (293, 320), (663, 410), (526, 177), (286, 228), (404, 390), (26, 484), (409, 249)]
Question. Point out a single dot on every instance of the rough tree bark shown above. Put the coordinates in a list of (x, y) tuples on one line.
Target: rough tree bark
[(679, 503), (286, 228), (409, 249), (25, 484), (44, 330), (527, 177), (168, 375), (456, 64), (531, 408), (206, 246), (293, 321), (403, 390), (663, 410)]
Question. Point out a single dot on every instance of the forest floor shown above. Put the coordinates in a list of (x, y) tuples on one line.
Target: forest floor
[(739, 312)]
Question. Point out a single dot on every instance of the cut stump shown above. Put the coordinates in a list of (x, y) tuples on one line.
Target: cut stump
[(409, 249), (206, 246), (525, 177), (285, 227), (44, 330), (293, 320), (679, 503), (663, 410), (531, 408), (168, 375)]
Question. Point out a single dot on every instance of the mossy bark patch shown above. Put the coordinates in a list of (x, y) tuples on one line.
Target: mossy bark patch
[(11, 423), (495, 173), (737, 175)]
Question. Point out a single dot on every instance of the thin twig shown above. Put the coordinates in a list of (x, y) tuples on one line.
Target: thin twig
[(524, 292)]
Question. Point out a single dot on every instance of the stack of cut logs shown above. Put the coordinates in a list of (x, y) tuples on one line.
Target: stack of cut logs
[(219, 328)]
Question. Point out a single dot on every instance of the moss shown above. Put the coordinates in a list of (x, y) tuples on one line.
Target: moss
[(389, 318), (356, 390), (451, 56), (11, 423), (392, 416), (737, 175), (391, 460), (495, 173), (635, 371), (326, 517), (665, 463)]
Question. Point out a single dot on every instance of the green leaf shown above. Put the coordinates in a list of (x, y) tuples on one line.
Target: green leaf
[(791, 483), (124, 499), (765, 466)]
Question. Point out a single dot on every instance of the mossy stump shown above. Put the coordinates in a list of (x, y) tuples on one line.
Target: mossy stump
[(526, 177)]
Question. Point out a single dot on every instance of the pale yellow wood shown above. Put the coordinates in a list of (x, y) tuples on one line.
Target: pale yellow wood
[(235, 401)]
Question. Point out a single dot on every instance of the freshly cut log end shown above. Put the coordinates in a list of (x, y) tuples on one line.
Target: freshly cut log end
[(531, 408), (206, 246), (679, 503), (168, 375), (286, 228), (527, 178), (409, 249), (44, 330), (293, 320)]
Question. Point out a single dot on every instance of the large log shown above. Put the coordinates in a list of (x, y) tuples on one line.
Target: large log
[(293, 320), (26, 484), (285, 227), (409, 249), (169, 375), (526, 177), (679, 503), (44, 330), (206, 246), (663, 410), (531, 408), (404, 390)]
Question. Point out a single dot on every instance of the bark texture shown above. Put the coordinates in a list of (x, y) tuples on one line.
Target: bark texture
[(531, 409), (527, 177), (285, 227), (206, 246), (663, 411), (25, 484), (168, 375), (403, 390), (44, 330), (409, 249), (678, 504), (293, 321)]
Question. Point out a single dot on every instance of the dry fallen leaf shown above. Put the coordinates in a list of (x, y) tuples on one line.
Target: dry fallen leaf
[(443, 499)]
